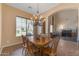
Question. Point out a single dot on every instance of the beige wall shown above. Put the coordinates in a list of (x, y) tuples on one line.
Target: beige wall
[(0, 26), (67, 18), (9, 25), (78, 25)]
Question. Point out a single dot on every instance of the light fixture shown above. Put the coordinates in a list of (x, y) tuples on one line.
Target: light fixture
[(61, 27), (37, 18)]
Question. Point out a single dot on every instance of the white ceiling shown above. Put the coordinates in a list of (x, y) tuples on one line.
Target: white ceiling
[(32, 7)]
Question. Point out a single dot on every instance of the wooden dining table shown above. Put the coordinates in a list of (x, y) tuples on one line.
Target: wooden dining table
[(39, 43)]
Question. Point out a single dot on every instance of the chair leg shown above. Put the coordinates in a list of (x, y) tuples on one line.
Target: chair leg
[(23, 50), (26, 52)]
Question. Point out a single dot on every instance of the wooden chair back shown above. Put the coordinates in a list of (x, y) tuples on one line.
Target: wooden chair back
[(25, 40), (55, 44)]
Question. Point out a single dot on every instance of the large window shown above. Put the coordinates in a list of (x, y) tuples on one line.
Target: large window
[(24, 26), (29, 27), (51, 28), (39, 29), (20, 26)]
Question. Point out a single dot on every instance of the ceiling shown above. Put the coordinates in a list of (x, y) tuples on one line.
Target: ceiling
[(33, 7)]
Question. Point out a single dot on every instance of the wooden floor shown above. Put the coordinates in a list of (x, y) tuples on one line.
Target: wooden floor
[(15, 50), (68, 48), (65, 48)]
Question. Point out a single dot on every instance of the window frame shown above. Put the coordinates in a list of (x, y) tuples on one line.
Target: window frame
[(16, 23), (33, 27), (26, 23)]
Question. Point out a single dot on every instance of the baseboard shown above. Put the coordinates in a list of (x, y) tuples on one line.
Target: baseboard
[(11, 44)]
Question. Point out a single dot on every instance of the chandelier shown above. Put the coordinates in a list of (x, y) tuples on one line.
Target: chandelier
[(38, 19)]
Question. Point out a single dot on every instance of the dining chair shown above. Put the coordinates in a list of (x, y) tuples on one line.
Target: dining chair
[(24, 44), (51, 50), (27, 46), (54, 49), (31, 49)]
